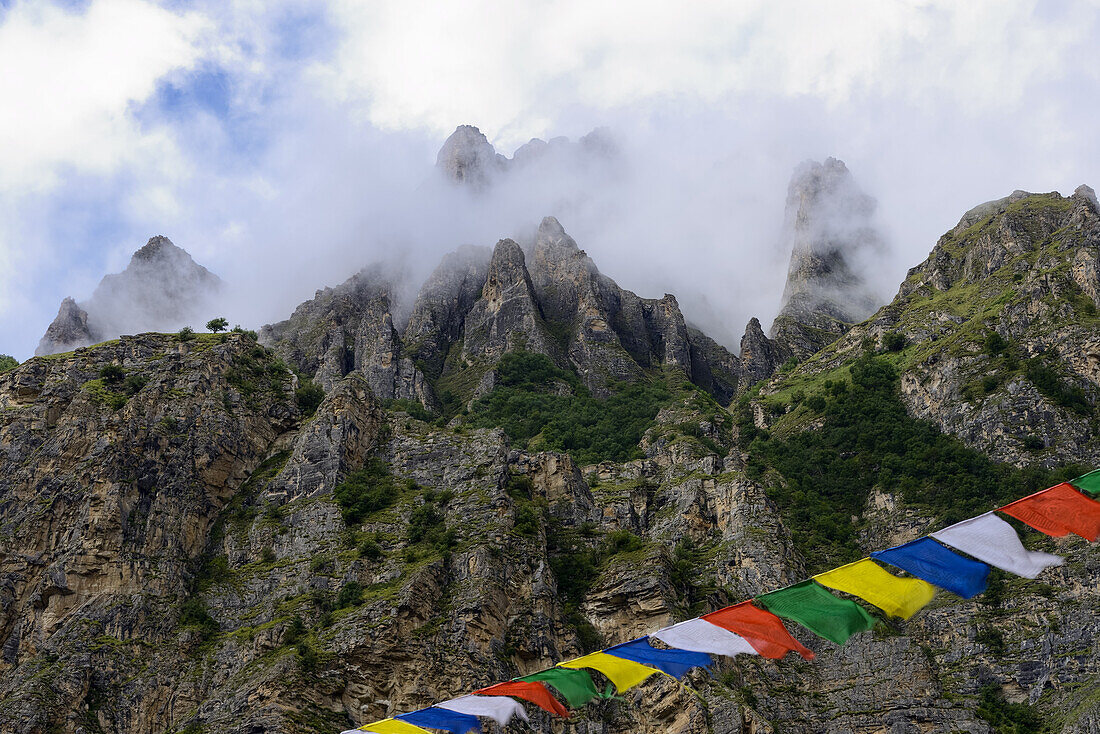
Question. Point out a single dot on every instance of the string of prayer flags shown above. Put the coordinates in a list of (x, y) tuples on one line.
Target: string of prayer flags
[(763, 630), (989, 538), (926, 559), (756, 629), (699, 635), (391, 726), (536, 693), (1058, 511), (625, 674), (500, 709), (673, 662), (438, 718), (811, 606), (898, 597), (1088, 483), (575, 686)]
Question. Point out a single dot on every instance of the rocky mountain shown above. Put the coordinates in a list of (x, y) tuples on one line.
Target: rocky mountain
[(477, 306), (468, 158), (995, 333), (162, 288), (361, 514), (830, 230)]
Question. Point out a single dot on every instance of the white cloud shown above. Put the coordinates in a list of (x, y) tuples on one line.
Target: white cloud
[(512, 67), (336, 108), (68, 81)]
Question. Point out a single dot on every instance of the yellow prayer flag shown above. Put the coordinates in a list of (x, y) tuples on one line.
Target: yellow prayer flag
[(393, 726), (625, 674), (899, 597)]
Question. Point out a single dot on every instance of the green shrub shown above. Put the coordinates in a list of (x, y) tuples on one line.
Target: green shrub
[(214, 570), (309, 396), (527, 521), (893, 341), (621, 541), (366, 491), (412, 407), (526, 403), (995, 344), (193, 615), (425, 520), (7, 362), (992, 638), (112, 373), (351, 594), (1046, 379), (186, 334), (294, 631), (307, 656), (1008, 718), (247, 333), (133, 383), (370, 549)]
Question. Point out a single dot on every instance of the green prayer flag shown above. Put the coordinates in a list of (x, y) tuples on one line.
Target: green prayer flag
[(575, 686), (1088, 483), (811, 606)]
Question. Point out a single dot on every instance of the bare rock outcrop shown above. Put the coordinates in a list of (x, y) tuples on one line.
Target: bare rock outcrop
[(829, 225), (351, 328), (161, 289)]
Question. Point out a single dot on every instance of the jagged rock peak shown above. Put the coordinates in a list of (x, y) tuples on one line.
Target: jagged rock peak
[(1087, 193), (68, 330), (760, 356), (829, 227), (468, 157), (552, 242), (156, 247), (161, 289)]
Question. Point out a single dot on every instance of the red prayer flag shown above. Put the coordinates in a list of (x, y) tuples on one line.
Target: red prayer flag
[(1058, 511), (763, 630), (535, 692)]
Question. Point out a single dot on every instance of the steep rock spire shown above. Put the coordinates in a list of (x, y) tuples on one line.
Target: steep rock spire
[(829, 226)]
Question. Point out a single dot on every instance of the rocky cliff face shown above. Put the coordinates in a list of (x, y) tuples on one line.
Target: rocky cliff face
[(829, 227), (161, 289), (996, 331), (476, 307), (184, 549)]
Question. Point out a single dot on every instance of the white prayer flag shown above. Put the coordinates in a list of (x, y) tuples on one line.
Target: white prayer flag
[(989, 538), (699, 635), (500, 709)]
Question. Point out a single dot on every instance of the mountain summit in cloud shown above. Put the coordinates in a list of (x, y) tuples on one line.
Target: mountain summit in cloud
[(468, 158), (161, 289), (829, 225)]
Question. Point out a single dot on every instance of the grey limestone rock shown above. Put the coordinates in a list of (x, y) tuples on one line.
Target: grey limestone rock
[(467, 157), (830, 228), (68, 330), (507, 315), (760, 356), (161, 289)]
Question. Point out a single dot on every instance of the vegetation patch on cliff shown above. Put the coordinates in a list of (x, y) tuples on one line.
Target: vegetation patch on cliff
[(543, 407), (820, 479)]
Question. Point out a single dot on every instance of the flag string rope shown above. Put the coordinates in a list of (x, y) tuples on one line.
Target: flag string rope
[(957, 559)]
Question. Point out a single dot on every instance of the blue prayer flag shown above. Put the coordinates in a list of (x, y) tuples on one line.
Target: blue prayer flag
[(928, 560), (674, 662), (437, 718)]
